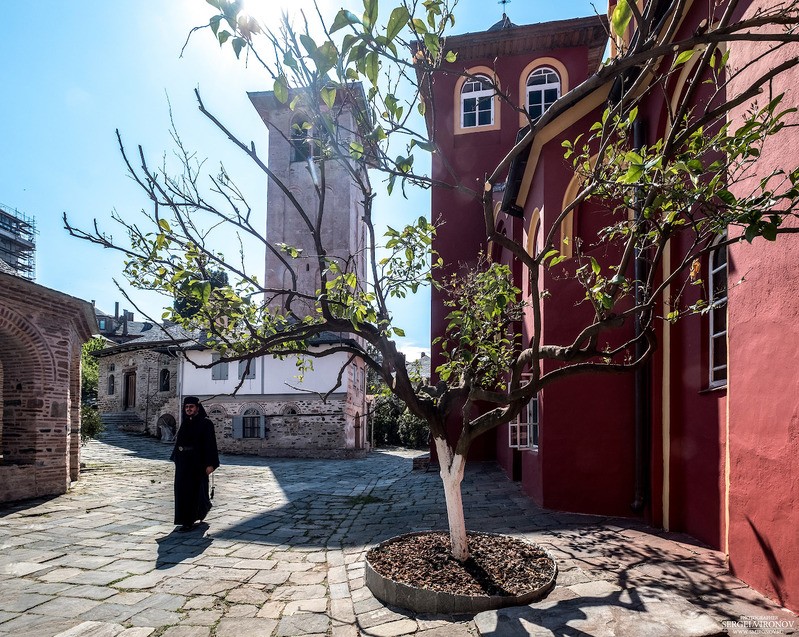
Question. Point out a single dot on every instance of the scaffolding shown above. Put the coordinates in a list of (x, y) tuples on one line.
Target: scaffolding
[(18, 241)]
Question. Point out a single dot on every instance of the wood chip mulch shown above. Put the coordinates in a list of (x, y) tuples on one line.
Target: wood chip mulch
[(498, 565)]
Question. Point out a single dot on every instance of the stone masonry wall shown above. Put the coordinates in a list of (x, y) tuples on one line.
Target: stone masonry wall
[(150, 402), (40, 336), (316, 430)]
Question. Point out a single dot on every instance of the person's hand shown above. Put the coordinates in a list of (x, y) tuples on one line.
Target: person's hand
[(209, 471)]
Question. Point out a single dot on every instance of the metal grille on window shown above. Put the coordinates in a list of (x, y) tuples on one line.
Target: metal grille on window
[(717, 298), (477, 103), (251, 424), (543, 90)]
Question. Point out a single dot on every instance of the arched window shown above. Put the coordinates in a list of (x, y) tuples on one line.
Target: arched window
[(717, 298), (163, 380), (477, 102), (111, 385), (252, 423), (543, 89), (290, 410)]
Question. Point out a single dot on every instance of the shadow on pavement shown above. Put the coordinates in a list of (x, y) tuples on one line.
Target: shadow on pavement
[(178, 547)]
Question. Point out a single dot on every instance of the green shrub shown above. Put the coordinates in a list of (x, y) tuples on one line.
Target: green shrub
[(90, 424)]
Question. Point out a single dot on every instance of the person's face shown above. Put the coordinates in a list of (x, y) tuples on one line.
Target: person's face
[(190, 410)]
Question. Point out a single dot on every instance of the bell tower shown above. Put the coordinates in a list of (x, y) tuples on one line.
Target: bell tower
[(309, 191)]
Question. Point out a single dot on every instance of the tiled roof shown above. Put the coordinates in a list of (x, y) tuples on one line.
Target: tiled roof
[(153, 337)]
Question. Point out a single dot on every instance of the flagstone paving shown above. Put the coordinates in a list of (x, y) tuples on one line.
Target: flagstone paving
[(283, 554)]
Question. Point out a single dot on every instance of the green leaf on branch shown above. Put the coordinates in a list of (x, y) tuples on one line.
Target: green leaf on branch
[(238, 45), (372, 66), (214, 23), (621, 17), (683, 57), (343, 18), (328, 96), (451, 56), (370, 9), (356, 150), (399, 18), (281, 89)]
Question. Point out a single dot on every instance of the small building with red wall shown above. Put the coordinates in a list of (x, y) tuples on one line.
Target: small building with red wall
[(716, 452)]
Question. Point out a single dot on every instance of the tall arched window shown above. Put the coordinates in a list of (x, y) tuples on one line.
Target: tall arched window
[(111, 385), (477, 102), (163, 380), (717, 298), (543, 89)]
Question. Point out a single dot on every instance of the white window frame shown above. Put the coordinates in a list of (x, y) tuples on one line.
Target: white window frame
[(542, 88), (717, 281), (473, 88), (525, 434)]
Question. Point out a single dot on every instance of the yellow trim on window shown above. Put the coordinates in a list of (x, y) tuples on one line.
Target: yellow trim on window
[(456, 101)]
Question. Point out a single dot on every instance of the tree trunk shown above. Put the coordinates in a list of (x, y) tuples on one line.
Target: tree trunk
[(452, 468)]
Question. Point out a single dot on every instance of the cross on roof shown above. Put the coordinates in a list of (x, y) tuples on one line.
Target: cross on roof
[(504, 4)]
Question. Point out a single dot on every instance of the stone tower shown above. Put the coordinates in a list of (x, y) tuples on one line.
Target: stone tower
[(295, 160)]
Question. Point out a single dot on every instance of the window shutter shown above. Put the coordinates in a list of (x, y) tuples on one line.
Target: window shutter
[(262, 426), (218, 371), (238, 427)]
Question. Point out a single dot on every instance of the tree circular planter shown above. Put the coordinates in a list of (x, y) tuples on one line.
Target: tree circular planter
[(425, 600)]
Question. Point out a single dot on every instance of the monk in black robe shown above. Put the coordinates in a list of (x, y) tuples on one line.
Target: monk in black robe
[(196, 457)]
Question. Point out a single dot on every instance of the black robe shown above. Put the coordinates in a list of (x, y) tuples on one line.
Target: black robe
[(195, 449)]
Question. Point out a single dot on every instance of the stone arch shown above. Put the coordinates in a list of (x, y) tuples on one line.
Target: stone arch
[(166, 427), (29, 374)]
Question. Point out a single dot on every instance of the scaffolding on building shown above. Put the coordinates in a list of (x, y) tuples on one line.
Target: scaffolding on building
[(18, 241)]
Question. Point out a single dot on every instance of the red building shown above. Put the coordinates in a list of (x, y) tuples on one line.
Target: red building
[(707, 440)]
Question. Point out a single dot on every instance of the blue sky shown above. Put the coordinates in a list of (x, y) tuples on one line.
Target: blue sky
[(72, 73)]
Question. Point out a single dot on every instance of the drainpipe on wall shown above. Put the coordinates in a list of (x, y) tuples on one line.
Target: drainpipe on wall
[(642, 381)]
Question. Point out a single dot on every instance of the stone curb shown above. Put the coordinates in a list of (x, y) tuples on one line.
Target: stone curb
[(421, 600)]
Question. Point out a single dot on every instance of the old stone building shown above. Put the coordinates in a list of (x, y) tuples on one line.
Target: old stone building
[(274, 413), (138, 381), (41, 333)]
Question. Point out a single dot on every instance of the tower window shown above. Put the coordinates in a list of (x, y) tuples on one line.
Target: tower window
[(477, 102)]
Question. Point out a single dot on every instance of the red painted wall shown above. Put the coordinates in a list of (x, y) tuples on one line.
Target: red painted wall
[(471, 155), (763, 384)]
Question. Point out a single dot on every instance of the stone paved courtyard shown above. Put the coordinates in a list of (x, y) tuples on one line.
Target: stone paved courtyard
[(283, 555)]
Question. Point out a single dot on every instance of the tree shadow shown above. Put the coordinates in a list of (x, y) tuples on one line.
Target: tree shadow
[(776, 577)]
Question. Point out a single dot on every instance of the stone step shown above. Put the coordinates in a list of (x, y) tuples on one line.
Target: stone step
[(125, 421)]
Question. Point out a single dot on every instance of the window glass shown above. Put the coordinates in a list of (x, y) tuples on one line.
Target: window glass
[(163, 382), (717, 298), (543, 90), (477, 103), (252, 423)]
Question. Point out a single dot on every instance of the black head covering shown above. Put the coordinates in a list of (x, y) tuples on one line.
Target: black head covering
[(193, 400)]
